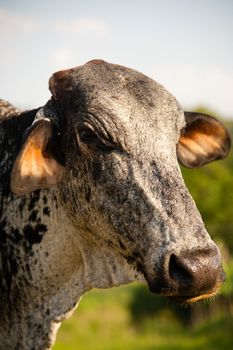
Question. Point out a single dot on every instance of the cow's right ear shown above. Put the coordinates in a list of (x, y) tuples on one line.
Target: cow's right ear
[(203, 140), (37, 165)]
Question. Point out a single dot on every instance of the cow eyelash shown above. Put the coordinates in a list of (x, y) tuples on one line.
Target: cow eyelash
[(89, 137)]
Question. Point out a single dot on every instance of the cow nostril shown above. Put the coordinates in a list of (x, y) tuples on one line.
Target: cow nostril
[(191, 275), (179, 271)]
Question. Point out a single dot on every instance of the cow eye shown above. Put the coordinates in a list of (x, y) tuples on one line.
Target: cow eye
[(88, 136), (92, 139)]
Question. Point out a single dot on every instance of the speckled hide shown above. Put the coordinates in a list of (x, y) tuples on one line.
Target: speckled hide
[(91, 195)]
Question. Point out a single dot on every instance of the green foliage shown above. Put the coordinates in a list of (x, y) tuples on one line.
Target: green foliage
[(227, 288)]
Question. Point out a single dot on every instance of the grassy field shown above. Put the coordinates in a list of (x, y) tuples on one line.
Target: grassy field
[(114, 320)]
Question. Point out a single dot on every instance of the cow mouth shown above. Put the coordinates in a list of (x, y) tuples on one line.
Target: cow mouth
[(193, 299), (190, 299), (187, 294)]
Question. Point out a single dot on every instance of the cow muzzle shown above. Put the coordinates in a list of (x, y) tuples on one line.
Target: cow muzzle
[(189, 276)]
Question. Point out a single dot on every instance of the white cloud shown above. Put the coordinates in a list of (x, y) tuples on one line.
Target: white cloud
[(82, 26), (62, 58), (15, 24)]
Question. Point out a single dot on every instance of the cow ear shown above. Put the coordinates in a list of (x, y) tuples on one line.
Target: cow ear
[(203, 140), (37, 165)]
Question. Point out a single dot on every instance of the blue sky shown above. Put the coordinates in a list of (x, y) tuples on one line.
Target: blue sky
[(186, 45)]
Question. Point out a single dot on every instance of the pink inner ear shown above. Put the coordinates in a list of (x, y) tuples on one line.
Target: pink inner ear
[(200, 143), (198, 151), (203, 140), (31, 169)]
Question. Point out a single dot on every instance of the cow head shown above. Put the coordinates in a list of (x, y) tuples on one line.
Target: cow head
[(110, 140)]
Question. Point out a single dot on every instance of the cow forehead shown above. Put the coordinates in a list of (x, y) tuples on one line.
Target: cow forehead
[(120, 94)]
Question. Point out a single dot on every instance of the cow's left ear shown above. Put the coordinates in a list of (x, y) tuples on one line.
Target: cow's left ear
[(203, 140), (38, 164)]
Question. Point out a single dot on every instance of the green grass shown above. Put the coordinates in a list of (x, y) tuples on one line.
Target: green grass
[(105, 320)]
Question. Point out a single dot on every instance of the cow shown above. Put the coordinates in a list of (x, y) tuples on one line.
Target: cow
[(92, 196)]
